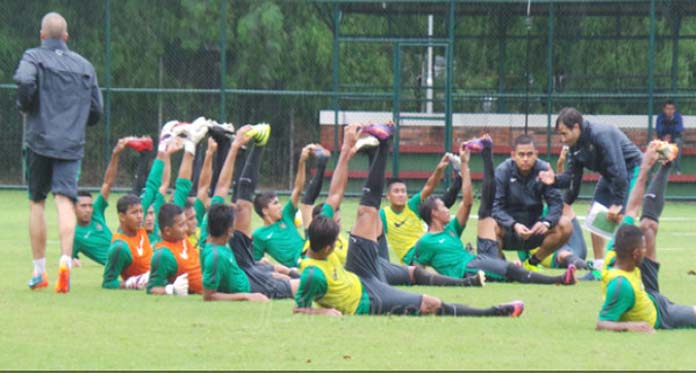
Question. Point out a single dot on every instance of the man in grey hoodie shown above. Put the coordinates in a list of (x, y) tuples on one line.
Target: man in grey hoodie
[(57, 92)]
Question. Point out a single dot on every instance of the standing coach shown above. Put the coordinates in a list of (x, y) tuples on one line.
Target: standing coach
[(57, 91)]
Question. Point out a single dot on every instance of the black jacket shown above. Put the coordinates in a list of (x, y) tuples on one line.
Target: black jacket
[(604, 149), (58, 90), (521, 199)]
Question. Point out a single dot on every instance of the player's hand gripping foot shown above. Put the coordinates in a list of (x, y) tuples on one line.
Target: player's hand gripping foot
[(381, 131), (140, 144), (455, 162), (260, 132), (512, 309), (530, 267), (38, 281), (221, 131), (477, 144), (63, 283), (666, 152)]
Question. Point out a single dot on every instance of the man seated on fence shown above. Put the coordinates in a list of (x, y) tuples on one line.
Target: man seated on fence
[(630, 279), (339, 290), (519, 202), (442, 247), (402, 224), (279, 236), (272, 281), (92, 235)]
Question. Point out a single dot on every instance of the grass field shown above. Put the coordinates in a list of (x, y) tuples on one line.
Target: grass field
[(91, 328)]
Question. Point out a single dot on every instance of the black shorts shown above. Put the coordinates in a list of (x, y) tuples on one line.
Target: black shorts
[(511, 241), (672, 316), (362, 258), (45, 174), (385, 299), (394, 274), (488, 261), (242, 248), (262, 281), (383, 247), (603, 191)]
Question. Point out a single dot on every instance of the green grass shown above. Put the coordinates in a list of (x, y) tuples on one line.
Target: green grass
[(91, 328)]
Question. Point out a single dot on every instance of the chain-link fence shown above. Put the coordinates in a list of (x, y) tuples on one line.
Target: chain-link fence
[(283, 62)]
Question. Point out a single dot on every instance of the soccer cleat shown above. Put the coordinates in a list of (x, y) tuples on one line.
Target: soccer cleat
[(455, 162), (63, 282), (380, 131), (365, 142), (477, 144), (530, 267), (197, 130), (512, 309), (38, 281), (481, 278), (260, 132), (569, 276), (140, 144), (593, 275), (221, 134), (666, 152)]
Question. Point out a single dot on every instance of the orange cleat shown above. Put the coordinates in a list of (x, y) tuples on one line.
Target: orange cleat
[(63, 283)]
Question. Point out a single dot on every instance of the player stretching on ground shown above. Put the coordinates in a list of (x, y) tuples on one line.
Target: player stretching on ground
[(442, 247), (340, 291), (630, 282)]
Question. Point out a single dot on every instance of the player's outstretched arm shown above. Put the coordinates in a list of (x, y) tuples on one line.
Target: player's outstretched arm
[(625, 326), (635, 199), (435, 178), (467, 195), (206, 173), (212, 295), (225, 180), (301, 174), (340, 177), (112, 168)]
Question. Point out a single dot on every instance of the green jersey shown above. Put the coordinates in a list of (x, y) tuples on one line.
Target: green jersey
[(444, 251), (221, 272), (94, 239), (199, 207), (280, 240), (163, 266)]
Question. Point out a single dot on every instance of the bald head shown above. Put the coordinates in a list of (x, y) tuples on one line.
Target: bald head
[(54, 26)]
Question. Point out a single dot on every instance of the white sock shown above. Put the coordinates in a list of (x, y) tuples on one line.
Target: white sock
[(39, 265), (67, 260), (597, 264)]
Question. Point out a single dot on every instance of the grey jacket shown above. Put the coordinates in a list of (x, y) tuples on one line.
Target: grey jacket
[(58, 91), (604, 149), (521, 199)]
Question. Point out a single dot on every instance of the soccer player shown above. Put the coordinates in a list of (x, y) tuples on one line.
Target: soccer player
[(600, 148), (130, 251), (270, 280), (92, 234), (402, 224), (339, 290), (279, 236), (519, 203), (442, 247), (176, 258), (630, 280)]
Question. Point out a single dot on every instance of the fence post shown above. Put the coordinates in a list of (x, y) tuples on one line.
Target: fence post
[(107, 76), (549, 81), (651, 69), (223, 59)]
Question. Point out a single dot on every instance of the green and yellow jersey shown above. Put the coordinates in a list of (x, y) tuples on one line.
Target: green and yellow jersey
[(280, 240), (94, 239), (625, 298), (404, 228), (221, 272), (327, 283), (610, 256), (444, 251)]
